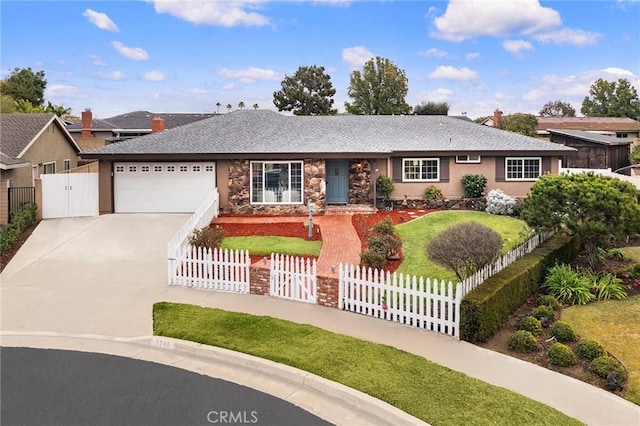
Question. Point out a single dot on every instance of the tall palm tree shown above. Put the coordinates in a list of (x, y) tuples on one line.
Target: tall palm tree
[(241, 105), (255, 106), (229, 107), (218, 104)]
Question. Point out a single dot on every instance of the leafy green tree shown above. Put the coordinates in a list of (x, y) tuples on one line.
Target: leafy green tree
[(25, 84), (634, 155), (379, 89), (7, 104), (431, 108), (525, 124), (595, 207), (557, 109), (308, 91), (612, 99)]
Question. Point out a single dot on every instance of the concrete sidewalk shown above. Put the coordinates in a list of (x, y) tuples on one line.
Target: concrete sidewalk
[(101, 276)]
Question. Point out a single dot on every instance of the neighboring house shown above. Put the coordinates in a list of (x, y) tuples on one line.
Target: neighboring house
[(34, 144), (595, 151), (264, 162), (496, 118), (129, 125), (618, 127)]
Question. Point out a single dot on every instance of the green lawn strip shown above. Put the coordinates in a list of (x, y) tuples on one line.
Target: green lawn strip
[(632, 253), (266, 245), (417, 233), (616, 325), (417, 386)]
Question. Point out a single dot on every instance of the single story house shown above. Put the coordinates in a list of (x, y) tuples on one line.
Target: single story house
[(595, 151), (265, 162)]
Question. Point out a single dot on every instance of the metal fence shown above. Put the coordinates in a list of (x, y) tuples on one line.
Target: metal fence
[(19, 197)]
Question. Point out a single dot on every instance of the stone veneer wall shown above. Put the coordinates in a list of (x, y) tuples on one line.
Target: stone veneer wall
[(360, 182), (240, 196)]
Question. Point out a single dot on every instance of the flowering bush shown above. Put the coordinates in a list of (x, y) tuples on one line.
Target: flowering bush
[(474, 185), (500, 203)]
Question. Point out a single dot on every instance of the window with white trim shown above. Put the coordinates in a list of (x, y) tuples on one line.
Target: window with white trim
[(66, 164), (49, 168), (523, 168), (420, 169), (468, 158), (276, 182)]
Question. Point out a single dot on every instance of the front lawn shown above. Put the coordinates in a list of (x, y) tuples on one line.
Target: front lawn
[(417, 233), (265, 245), (415, 385)]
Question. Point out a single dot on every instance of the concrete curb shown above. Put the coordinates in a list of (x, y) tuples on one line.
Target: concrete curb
[(329, 400)]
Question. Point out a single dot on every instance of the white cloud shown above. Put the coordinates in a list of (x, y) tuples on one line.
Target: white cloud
[(466, 19), (197, 90), (250, 75), (568, 36), (97, 61), (438, 95), (115, 75), (452, 73), (534, 95), (154, 76), (356, 56), (100, 20), (516, 46), (472, 56), (221, 13), (135, 53), (334, 2), (229, 86), (621, 73), (61, 90), (499, 96), (433, 53)]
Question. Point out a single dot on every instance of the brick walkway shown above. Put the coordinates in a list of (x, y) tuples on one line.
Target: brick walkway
[(340, 241)]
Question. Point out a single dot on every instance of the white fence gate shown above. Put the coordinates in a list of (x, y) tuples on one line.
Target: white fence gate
[(69, 195), (418, 302), (292, 278)]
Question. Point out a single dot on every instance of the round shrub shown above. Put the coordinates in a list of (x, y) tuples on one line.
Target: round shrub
[(562, 355), (499, 203), (531, 324), (563, 332), (550, 301), (543, 312), (523, 341), (589, 349), (605, 365)]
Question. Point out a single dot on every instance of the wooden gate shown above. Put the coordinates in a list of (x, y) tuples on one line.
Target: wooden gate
[(69, 195), (293, 278)]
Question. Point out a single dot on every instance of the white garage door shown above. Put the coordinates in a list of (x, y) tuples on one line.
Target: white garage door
[(162, 187)]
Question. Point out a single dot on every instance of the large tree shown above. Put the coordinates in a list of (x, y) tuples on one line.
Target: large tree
[(596, 207), (557, 109), (431, 108), (525, 124), (25, 84), (379, 89), (612, 99), (308, 91)]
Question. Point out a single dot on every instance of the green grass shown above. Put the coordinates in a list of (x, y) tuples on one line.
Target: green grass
[(267, 245), (415, 385), (616, 325), (417, 233)]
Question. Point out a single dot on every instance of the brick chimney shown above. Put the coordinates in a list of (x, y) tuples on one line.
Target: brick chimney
[(157, 125), (87, 123), (497, 118)]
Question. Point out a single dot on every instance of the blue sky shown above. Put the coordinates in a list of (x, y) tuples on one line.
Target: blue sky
[(186, 56)]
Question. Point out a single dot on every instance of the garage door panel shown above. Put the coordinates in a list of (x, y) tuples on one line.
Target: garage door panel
[(162, 187)]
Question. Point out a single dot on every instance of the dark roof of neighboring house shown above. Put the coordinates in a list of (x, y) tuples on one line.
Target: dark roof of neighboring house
[(592, 137), (267, 132), (141, 120), (18, 131), (7, 162), (589, 123)]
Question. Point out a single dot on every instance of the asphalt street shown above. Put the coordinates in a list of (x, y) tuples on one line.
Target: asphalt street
[(58, 387)]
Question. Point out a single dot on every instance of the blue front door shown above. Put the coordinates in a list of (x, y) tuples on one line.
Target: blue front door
[(337, 181)]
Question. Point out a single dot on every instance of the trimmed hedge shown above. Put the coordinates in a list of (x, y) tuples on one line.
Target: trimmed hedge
[(485, 309)]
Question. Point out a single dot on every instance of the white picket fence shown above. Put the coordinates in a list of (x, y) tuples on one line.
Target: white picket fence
[(418, 302), (503, 261), (178, 246), (293, 278), (214, 269)]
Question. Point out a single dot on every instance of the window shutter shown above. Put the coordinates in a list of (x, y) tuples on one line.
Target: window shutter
[(396, 163), (444, 169), (546, 165), (500, 173)]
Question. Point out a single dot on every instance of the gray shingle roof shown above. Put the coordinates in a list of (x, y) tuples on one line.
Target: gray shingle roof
[(142, 120), (18, 130), (261, 131), (592, 137)]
